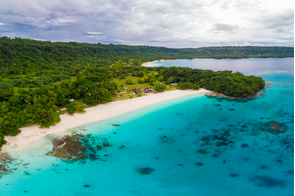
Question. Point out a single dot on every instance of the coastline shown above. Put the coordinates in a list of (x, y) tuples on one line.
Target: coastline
[(149, 64), (97, 113)]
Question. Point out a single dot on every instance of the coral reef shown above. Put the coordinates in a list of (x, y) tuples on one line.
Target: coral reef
[(5, 161), (73, 148), (145, 170), (77, 147), (266, 181)]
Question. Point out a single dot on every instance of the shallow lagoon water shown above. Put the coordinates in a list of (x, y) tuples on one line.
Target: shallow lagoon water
[(195, 145)]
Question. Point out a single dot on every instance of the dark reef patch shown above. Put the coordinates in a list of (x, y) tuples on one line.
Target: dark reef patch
[(202, 151), (287, 142), (6, 162), (145, 170), (221, 98), (221, 139), (255, 128), (244, 145), (165, 139), (290, 172), (199, 164), (267, 181), (77, 147), (214, 155), (234, 175)]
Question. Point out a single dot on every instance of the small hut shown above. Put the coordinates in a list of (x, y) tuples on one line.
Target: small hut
[(174, 84)]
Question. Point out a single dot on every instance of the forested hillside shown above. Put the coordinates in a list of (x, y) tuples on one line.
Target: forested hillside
[(38, 78), (20, 50)]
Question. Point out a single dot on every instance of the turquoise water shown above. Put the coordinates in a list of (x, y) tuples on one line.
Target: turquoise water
[(193, 145)]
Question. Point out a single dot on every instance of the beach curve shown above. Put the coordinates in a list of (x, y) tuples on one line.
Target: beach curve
[(100, 112)]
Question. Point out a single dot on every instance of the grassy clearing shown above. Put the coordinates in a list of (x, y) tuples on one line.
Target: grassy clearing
[(130, 86), (125, 94)]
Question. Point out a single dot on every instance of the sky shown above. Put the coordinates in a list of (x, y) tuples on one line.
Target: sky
[(168, 23)]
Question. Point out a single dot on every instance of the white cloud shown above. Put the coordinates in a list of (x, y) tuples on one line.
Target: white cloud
[(95, 33), (177, 23)]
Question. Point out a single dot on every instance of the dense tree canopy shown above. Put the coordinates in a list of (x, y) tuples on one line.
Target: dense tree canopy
[(39, 78)]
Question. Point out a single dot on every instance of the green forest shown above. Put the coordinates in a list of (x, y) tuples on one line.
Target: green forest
[(38, 78)]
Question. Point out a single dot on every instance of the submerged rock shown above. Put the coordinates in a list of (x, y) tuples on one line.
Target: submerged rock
[(106, 144), (276, 127), (77, 147), (234, 175), (98, 147), (5, 162), (244, 145), (4, 156), (145, 170), (202, 151), (72, 149), (2, 167), (273, 127)]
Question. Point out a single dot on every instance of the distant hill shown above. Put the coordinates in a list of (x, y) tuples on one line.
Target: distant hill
[(32, 51)]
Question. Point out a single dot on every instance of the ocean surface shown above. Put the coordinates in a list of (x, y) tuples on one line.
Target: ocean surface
[(194, 145)]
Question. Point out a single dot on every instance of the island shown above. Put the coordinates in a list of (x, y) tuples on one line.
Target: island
[(42, 80)]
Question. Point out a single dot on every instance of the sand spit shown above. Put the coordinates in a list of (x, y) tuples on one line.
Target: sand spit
[(100, 112)]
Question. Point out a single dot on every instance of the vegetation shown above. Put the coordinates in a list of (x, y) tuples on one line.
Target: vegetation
[(39, 78)]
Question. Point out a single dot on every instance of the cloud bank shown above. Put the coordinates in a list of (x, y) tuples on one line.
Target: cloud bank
[(177, 23)]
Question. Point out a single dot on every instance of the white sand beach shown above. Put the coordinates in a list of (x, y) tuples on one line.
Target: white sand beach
[(100, 112), (150, 64)]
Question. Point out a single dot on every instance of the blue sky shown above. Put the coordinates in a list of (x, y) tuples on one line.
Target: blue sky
[(169, 23)]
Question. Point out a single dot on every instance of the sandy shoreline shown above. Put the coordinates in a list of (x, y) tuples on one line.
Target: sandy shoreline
[(149, 64), (100, 112)]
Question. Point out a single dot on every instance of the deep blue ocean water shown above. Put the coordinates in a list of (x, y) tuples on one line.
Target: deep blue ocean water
[(194, 145)]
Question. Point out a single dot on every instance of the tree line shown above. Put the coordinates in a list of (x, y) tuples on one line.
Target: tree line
[(38, 78)]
